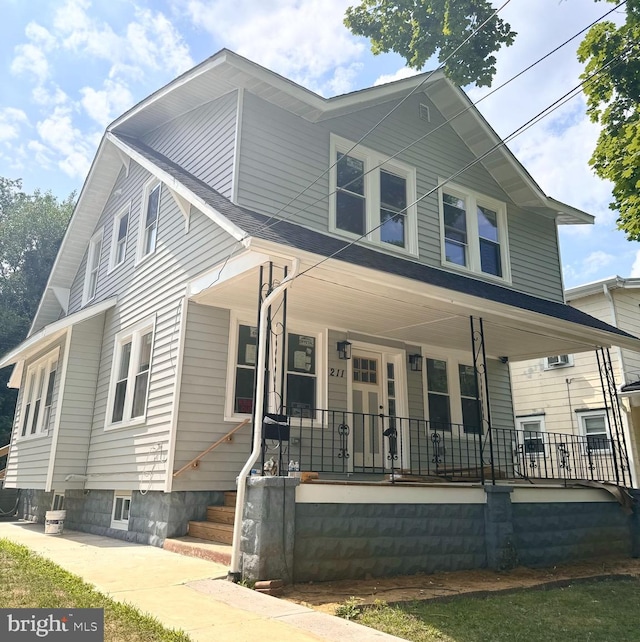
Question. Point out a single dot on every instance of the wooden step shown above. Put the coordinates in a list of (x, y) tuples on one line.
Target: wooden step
[(212, 531), (221, 514), (230, 498), (197, 547)]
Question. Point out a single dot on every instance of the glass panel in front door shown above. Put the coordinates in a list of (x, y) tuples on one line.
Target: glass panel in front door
[(367, 399)]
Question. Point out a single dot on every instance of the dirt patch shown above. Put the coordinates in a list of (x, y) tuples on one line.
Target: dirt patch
[(325, 596)]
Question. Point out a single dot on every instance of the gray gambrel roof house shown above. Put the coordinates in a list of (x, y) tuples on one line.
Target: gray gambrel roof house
[(410, 285)]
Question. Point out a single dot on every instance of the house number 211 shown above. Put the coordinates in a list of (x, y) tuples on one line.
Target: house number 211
[(336, 372)]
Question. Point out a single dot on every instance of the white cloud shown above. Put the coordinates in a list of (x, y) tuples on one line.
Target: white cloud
[(31, 58), (635, 268), (11, 120), (41, 153), (68, 143), (105, 104), (301, 40), (596, 261), (404, 72), (148, 42), (49, 96)]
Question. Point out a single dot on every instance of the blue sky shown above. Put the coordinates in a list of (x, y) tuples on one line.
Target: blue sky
[(69, 67)]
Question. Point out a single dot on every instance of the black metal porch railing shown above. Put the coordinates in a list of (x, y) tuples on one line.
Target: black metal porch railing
[(348, 443)]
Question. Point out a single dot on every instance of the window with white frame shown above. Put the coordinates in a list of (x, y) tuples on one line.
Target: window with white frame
[(119, 240), (121, 510), (474, 232), (471, 420), (37, 401), (531, 435), (593, 425), (93, 267), (438, 397), (301, 372), (130, 375), (373, 198), (58, 501), (451, 393), (149, 219)]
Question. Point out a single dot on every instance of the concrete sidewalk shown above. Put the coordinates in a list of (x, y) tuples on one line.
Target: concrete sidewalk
[(184, 592)]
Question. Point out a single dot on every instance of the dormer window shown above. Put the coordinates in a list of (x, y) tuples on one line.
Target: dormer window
[(474, 232), (372, 198)]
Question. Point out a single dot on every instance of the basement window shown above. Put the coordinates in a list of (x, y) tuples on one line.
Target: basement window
[(121, 508)]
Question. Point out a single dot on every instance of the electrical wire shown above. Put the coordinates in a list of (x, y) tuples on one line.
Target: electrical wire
[(268, 224), (572, 93), (272, 221), (395, 107)]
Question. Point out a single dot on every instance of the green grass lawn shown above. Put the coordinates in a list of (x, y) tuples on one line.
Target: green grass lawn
[(598, 611), (30, 581)]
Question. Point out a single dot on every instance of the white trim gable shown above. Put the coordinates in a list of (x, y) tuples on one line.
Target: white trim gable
[(166, 178)]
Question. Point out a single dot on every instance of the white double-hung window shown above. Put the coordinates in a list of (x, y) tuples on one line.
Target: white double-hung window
[(93, 267), (119, 239), (37, 400), (474, 232), (593, 425), (149, 219), (300, 377), (372, 198), (129, 387)]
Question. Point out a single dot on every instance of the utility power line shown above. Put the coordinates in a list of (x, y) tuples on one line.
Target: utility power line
[(572, 93)]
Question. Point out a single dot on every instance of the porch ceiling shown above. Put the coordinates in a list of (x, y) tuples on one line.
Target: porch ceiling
[(330, 296)]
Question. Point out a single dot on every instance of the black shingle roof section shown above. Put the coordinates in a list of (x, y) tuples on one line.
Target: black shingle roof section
[(295, 236)]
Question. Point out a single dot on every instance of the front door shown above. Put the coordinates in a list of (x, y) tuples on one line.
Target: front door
[(367, 404)]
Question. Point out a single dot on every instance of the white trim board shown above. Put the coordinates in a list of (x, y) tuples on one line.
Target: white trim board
[(532, 495), (376, 494)]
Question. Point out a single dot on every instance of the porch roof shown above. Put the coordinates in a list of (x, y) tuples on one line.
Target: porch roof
[(285, 234)]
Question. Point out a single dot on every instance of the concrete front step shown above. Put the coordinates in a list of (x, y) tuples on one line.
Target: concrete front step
[(221, 514), (200, 548), (212, 531)]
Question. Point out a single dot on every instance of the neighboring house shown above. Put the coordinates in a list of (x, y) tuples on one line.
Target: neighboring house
[(389, 355), (563, 393)]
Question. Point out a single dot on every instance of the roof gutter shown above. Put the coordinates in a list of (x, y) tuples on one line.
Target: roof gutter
[(234, 569)]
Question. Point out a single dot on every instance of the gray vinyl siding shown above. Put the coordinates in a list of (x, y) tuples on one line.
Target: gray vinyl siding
[(281, 154), (76, 416), (336, 386), (203, 142), (201, 411), (135, 457), (500, 397), (28, 461)]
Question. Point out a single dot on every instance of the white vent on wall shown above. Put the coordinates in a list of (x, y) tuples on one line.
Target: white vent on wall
[(425, 114), (558, 360)]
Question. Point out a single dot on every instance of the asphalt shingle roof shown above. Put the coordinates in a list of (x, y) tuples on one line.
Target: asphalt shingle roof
[(302, 238)]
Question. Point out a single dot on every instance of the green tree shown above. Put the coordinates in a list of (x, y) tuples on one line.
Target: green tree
[(31, 229), (418, 29), (613, 101)]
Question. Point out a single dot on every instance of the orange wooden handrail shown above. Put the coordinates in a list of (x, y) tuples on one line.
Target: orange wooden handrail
[(195, 462), (4, 450)]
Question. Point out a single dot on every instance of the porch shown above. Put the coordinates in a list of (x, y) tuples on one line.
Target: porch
[(350, 446), (368, 375)]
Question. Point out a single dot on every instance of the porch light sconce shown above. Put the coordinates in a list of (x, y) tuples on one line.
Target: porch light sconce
[(344, 350), (504, 359), (415, 362)]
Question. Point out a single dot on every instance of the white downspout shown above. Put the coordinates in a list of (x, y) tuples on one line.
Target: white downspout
[(234, 569)]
